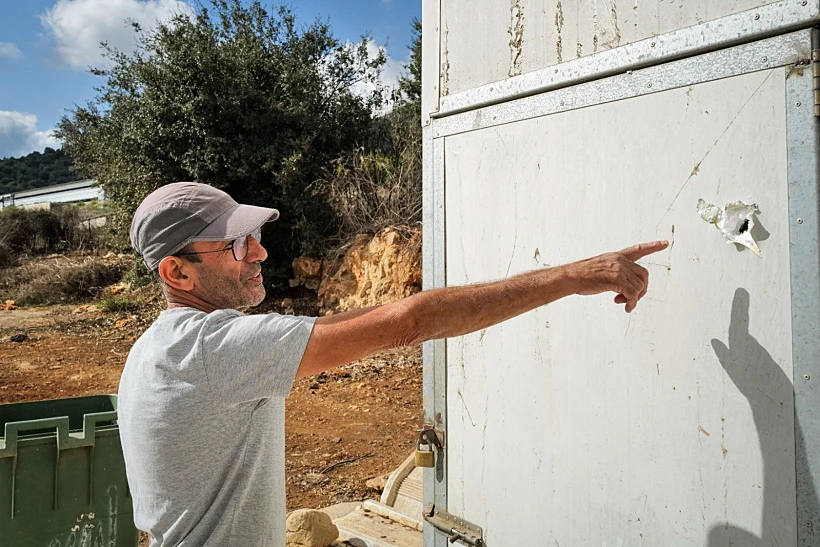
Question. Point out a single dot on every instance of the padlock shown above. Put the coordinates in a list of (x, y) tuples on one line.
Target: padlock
[(424, 457)]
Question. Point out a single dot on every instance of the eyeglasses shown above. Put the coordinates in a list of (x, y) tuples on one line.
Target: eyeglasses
[(239, 247)]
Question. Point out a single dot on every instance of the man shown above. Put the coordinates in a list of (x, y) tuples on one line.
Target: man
[(201, 400)]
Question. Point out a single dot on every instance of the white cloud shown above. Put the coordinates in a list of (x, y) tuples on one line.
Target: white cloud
[(19, 135), (78, 26), (10, 51), (389, 77)]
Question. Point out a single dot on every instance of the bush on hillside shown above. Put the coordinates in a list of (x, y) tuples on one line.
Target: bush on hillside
[(37, 232), (65, 282)]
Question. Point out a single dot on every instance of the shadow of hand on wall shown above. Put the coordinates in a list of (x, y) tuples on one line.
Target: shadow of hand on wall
[(770, 394)]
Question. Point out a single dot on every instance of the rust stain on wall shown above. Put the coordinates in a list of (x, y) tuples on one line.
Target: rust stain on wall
[(516, 32), (445, 64), (559, 27)]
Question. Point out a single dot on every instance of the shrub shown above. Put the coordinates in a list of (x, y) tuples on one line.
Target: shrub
[(117, 304), (138, 274), (63, 282), (32, 232), (373, 190)]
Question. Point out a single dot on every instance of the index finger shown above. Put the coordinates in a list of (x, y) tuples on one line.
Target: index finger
[(637, 252)]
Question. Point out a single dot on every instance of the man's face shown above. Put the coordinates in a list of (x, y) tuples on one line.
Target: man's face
[(227, 283)]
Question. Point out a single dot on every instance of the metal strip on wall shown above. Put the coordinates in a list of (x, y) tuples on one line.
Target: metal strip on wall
[(434, 352), (430, 49), (804, 238), (744, 27), (779, 51)]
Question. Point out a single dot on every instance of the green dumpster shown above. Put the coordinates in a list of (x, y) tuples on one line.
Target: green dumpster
[(62, 475)]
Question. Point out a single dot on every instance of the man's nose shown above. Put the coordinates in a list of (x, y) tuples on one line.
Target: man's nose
[(256, 252)]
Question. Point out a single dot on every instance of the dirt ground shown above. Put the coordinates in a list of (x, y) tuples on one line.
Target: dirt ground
[(342, 428)]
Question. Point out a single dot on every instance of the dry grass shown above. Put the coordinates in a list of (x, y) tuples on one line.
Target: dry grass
[(60, 279)]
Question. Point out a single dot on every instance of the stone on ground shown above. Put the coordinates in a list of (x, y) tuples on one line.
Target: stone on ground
[(310, 528)]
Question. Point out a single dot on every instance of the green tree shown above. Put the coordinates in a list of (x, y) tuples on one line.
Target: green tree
[(380, 185), (234, 97), (410, 83)]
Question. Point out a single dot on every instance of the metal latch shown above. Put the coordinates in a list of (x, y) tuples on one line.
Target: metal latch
[(455, 528)]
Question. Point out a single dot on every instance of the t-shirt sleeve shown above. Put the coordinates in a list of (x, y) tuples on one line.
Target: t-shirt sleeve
[(250, 357)]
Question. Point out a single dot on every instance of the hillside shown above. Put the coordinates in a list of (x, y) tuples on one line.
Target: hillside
[(35, 171)]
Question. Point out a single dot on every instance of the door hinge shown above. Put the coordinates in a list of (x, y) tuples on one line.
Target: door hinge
[(815, 70), (455, 528)]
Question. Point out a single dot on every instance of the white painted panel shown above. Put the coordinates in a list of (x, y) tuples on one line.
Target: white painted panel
[(578, 424), (490, 40), (430, 42)]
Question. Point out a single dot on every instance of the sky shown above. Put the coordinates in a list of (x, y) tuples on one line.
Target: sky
[(46, 47)]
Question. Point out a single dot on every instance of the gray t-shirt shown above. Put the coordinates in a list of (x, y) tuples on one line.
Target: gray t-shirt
[(201, 417)]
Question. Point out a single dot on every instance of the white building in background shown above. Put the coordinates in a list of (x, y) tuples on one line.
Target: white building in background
[(42, 198)]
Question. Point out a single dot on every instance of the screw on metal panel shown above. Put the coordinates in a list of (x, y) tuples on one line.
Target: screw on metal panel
[(562, 103), (803, 3), (806, 377), (652, 44), (765, 59), (649, 84), (800, 221), (798, 103), (757, 16)]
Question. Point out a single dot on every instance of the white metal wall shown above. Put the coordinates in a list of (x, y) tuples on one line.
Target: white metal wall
[(513, 37), (580, 424)]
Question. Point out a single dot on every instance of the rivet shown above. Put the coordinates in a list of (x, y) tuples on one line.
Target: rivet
[(562, 103), (804, 2), (800, 221), (806, 377), (652, 44), (798, 103), (765, 59), (649, 84), (757, 16)]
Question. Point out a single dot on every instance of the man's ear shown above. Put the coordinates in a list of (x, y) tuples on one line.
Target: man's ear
[(176, 273)]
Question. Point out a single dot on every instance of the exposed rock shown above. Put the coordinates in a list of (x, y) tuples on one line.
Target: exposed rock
[(19, 337), (310, 528), (374, 270), (307, 272), (122, 323), (378, 483)]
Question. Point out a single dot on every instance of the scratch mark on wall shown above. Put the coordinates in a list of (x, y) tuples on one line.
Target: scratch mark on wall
[(481, 336), (516, 32), (700, 428), (559, 27), (445, 63), (486, 421), (515, 221), (696, 169), (609, 32), (723, 436), (467, 410)]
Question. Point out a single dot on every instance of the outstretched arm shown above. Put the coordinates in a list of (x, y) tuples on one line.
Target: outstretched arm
[(454, 311)]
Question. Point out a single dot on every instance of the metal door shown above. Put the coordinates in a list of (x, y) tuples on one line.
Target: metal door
[(577, 424)]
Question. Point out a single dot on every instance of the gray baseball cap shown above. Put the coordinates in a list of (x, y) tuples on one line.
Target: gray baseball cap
[(176, 214)]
